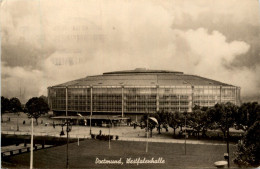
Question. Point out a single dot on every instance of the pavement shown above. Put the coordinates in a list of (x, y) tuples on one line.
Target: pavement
[(125, 133), (21, 148)]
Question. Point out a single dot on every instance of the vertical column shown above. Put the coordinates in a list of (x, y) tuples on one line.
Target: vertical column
[(207, 95), (192, 98), (86, 109), (238, 95), (91, 100), (49, 98), (157, 98), (235, 88), (220, 94), (122, 101), (66, 90), (179, 103), (91, 107)]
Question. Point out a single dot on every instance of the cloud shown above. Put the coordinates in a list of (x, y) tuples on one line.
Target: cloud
[(52, 42), (19, 82), (210, 55)]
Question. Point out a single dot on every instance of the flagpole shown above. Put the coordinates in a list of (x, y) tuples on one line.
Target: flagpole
[(78, 132), (147, 135), (109, 135), (31, 159)]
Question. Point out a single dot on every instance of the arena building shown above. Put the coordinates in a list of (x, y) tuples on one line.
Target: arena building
[(139, 91)]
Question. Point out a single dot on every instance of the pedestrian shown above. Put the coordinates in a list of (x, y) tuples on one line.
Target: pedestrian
[(24, 122), (100, 132)]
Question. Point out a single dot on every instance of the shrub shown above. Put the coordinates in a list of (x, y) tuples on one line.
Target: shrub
[(93, 136), (248, 148)]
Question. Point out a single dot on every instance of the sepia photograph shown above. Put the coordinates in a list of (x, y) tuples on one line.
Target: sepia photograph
[(130, 84)]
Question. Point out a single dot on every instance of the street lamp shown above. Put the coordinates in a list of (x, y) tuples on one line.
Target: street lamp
[(147, 132), (109, 135), (31, 154), (227, 128), (185, 115), (90, 124), (109, 146), (68, 129), (18, 114)]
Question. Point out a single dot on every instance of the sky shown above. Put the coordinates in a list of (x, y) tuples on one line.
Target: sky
[(48, 42)]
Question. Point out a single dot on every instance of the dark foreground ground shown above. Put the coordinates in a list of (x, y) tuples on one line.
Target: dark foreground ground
[(85, 155)]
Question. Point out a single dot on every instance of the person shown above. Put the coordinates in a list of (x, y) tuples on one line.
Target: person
[(62, 133), (100, 132), (53, 125), (180, 132), (24, 122)]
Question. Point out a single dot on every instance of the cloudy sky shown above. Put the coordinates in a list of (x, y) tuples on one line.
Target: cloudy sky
[(47, 42)]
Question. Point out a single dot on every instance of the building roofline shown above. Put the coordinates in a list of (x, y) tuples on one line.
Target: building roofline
[(141, 71), (155, 80)]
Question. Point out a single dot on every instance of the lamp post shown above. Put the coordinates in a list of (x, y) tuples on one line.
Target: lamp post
[(227, 128), (185, 115), (67, 123), (18, 114), (31, 154), (91, 108), (90, 125), (109, 146), (109, 135), (67, 152), (67, 164), (147, 132)]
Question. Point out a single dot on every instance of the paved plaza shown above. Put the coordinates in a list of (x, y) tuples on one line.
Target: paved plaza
[(125, 133)]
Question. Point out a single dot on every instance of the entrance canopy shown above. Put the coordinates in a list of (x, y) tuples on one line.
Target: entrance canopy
[(93, 117)]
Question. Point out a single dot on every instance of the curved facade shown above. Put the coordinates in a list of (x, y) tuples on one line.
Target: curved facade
[(139, 91)]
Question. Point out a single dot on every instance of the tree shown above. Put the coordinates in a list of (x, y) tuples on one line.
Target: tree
[(151, 125), (248, 114), (223, 116), (5, 106), (198, 120), (44, 98), (248, 148), (175, 121), (35, 107), (162, 118), (15, 105)]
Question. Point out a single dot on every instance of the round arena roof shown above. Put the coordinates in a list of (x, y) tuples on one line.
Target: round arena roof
[(143, 77)]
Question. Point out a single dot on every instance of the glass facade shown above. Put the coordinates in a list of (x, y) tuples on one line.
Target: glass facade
[(139, 99), (176, 98), (107, 99), (206, 96)]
